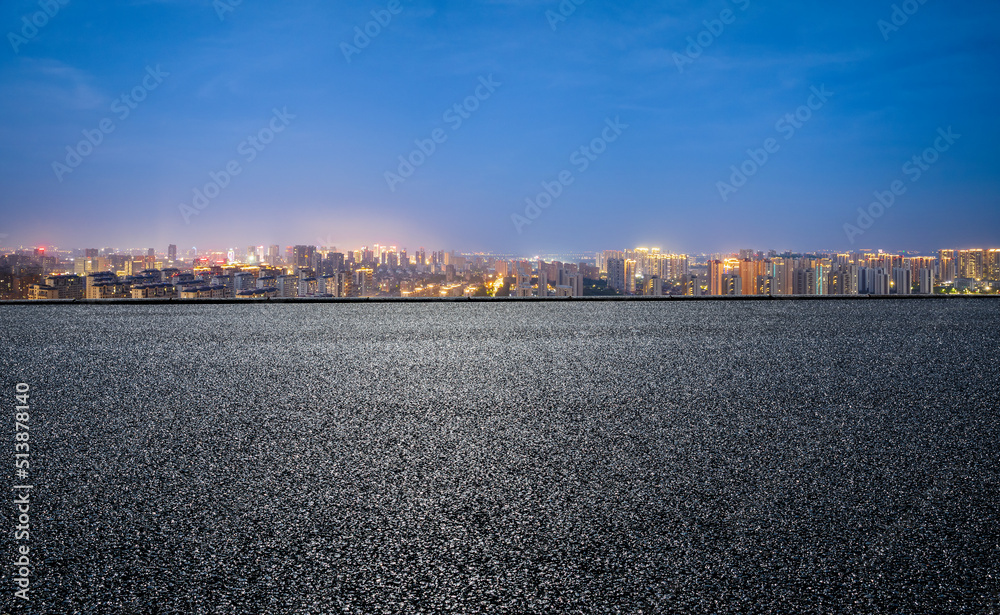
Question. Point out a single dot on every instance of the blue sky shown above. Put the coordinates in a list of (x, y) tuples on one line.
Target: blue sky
[(557, 84)]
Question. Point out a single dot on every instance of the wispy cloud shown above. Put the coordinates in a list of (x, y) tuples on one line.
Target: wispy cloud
[(53, 85)]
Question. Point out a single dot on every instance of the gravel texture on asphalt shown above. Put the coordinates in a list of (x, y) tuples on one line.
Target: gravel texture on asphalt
[(814, 457)]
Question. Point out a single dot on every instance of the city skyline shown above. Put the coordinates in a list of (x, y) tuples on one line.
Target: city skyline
[(264, 272), (504, 126), (241, 249), (280, 253)]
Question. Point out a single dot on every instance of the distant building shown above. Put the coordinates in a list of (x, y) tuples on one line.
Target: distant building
[(804, 281), (308, 287), (244, 281), (364, 283), (337, 284), (203, 292), (69, 286), (925, 277), (750, 270), (843, 280), (257, 293), (154, 291), (303, 257), (970, 264), (267, 282), (41, 292), (109, 290), (568, 281), (522, 280), (286, 286), (947, 267), (691, 285), (764, 285), (716, 270), (616, 274), (902, 281), (732, 284), (654, 287), (876, 280)]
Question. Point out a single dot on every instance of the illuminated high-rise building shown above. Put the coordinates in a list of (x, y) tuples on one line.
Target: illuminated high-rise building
[(608, 255), (970, 264), (993, 265), (715, 273), (630, 274), (748, 275), (916, 263), (676, 266), (750, 270), (822, 270), (946, 266)]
